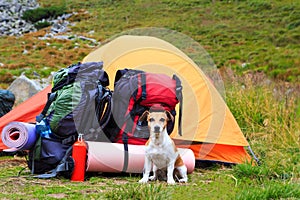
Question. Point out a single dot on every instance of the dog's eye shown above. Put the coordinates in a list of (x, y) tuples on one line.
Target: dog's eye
[(151, 120), (162, 120)]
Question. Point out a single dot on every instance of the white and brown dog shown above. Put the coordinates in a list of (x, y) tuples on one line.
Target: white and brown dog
[(160, 150)]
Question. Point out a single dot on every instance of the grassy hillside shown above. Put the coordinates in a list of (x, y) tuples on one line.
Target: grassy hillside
[(256, 46), (264, 35)]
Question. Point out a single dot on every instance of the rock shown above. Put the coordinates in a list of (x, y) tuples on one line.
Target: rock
[(23, 88), (88, 39), (25, 51), (43, 82)]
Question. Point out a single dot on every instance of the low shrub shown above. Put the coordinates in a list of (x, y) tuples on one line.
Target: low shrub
[(40, 25), (38, 14)]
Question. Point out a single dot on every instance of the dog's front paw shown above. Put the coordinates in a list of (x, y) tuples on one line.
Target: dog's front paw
[(171, 182), (183, 180), (152, 178), (143, 180)]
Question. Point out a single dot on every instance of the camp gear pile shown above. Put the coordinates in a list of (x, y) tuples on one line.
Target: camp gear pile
[(81, 103)]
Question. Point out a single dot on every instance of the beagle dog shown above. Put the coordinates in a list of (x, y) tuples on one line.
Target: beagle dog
[(160, 150)]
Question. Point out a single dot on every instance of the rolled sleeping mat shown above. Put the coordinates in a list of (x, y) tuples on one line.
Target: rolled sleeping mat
[(109, 157), (18, 136)]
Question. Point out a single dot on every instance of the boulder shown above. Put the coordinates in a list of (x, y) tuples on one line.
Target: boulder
[(23, 88)]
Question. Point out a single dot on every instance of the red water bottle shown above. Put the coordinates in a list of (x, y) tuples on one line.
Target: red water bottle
[(79, 156)]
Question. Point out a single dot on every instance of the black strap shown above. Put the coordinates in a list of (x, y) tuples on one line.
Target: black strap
[(51, 98), (126, 154), (180, 118), (180, 99), (105, 107), (69, 140), (143, 81), (107, 115)]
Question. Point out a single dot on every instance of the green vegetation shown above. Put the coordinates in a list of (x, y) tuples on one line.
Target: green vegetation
[(254, 44), (36, 15), (40, 13), (40, 25)]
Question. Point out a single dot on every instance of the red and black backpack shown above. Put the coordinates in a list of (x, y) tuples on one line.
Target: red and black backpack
[(136, 91)]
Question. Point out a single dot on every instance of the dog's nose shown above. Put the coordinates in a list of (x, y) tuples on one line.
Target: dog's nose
[(156, 129)]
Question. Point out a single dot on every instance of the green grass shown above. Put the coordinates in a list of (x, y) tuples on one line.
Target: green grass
[(212, 183), (254, 44), (272, 190), (240, 182)]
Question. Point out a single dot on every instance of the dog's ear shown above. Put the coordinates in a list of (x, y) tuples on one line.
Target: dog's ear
[(169, 115), (144, 116)]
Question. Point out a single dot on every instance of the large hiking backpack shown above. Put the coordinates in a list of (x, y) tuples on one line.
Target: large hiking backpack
[(79, 102), (135, 92)]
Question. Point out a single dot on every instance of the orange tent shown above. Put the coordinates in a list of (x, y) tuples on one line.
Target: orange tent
[(26, 111), (208, 126)]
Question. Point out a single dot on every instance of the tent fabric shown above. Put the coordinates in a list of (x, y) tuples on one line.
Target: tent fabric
[(26, 111), (206, 117)]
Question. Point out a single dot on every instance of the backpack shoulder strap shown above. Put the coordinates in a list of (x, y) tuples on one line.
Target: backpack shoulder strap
[(143, 80), (180, 99), (104, 106), (51, 98)]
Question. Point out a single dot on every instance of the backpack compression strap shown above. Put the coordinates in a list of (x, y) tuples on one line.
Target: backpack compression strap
[(129, 73)]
